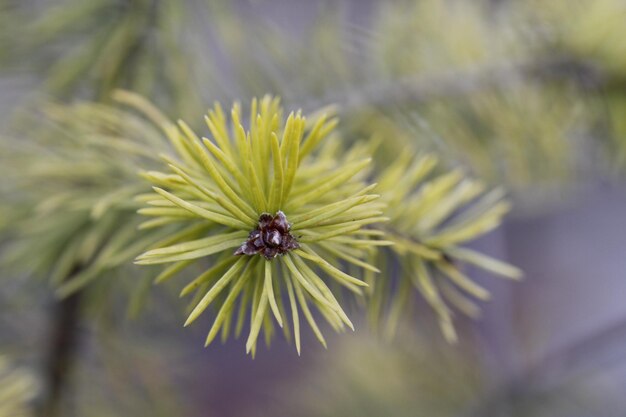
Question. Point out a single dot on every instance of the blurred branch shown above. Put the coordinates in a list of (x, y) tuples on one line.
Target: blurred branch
[(61, 349), (554, 367), (455, 83)]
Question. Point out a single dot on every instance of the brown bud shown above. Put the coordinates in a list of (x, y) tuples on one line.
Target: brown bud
[(270, 238)]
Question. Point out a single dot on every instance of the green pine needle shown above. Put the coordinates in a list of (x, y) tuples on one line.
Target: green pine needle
[(234, 180), (431, 216), (73, 210)]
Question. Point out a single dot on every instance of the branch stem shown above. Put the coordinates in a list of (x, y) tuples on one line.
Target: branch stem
[(60, 352)]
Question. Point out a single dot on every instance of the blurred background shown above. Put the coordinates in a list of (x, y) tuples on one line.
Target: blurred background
[(528, 95)]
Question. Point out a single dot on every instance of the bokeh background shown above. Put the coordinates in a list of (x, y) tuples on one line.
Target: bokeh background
[(528, 95)]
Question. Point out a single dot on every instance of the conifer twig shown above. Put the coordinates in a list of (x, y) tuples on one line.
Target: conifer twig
[(61, 350)]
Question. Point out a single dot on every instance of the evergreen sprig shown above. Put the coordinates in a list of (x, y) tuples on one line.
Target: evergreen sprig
[(278, 211), (73, 207), (275, 208), (432, 216)]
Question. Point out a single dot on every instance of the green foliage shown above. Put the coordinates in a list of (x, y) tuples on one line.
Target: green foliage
[(76, 208), (593, 31), (431, 217), (73, 211), (219, 190), (17, 390), (516, 92), (489, 126), (409, 41), (108, 44), (519, 94), (81, 219), (529, 84)]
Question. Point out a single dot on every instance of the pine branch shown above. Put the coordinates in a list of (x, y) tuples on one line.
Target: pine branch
[(61, 351), (457, 83)]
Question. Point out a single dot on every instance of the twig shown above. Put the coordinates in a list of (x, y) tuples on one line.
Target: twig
[(61, 350)]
